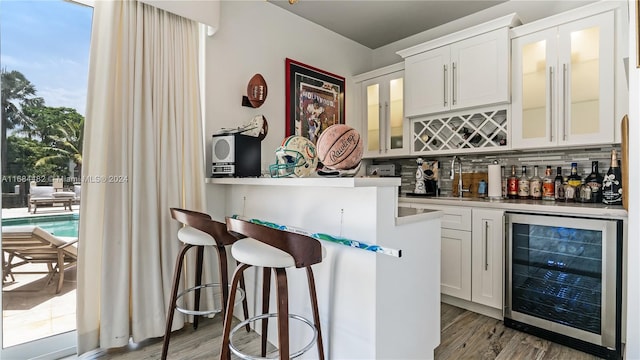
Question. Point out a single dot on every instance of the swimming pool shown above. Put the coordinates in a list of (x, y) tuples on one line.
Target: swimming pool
[(59, 225)]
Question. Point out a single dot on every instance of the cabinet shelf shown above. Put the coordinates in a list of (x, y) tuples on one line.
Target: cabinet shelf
[(484, 129)]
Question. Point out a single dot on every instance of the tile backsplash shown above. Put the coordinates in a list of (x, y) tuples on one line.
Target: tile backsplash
[(406, 167)]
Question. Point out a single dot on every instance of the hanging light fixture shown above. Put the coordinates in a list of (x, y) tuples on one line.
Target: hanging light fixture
[(293, 1)]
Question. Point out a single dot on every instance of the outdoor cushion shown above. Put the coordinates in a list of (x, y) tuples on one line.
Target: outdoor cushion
[(63, 194), (41, 191)]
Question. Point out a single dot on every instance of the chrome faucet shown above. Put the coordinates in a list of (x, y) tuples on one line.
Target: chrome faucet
[(461, 189)]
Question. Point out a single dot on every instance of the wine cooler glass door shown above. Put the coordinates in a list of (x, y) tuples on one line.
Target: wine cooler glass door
[(562, 275)]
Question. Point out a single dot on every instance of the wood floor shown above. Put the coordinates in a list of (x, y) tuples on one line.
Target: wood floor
[(465, 335)]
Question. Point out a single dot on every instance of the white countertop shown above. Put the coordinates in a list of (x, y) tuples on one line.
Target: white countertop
[(530, 206), (310, 181), (407, 215)]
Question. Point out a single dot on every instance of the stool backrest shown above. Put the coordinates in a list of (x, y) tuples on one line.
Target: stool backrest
[(305, 250), (204, 223)]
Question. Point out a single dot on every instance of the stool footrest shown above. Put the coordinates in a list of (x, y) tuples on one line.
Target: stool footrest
[(241, 355), (205, 312)]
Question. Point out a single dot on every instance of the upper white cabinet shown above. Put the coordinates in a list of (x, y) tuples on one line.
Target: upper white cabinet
[(563, 83), (466, 69), (385, 128)]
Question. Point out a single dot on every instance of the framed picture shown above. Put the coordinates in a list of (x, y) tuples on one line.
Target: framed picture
[(314, 100)]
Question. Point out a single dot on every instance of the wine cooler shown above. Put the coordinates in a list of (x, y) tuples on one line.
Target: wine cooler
[(563, 280)]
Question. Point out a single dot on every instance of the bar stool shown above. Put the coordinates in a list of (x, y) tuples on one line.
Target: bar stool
[(200, 231), (272, 249)]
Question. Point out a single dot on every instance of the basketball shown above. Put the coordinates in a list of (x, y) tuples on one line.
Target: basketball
[(339, 147)]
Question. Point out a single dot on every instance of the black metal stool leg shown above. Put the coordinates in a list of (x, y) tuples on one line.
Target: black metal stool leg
[(174, 294), (196, 299)]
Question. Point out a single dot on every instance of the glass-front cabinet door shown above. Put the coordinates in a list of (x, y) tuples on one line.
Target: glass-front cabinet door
[(384, 121), (563, 84)]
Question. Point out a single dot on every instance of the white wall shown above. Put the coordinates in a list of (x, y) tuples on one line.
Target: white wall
[(256, 37), (633, 239)]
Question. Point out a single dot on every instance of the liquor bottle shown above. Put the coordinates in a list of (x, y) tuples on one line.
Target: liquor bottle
[(512, 184), (574, 179), (503, 180), (523, 184), (594, 180), (569, 191), (548, 186), (535, 185), (585, 193), (612, 183), (558, 184)]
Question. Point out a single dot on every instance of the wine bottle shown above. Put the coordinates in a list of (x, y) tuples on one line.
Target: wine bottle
[(523, 184), (559, 185), (612, 183), (535, 185), (548, 185), (512, 184), (594, 180)]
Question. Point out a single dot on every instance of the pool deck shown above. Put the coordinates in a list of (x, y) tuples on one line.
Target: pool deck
[(31, 308), (42, 211)]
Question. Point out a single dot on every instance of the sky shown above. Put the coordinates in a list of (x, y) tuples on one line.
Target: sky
[(48, 41)]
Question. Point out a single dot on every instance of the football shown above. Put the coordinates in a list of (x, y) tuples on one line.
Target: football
[(339, 147), (257, 90)]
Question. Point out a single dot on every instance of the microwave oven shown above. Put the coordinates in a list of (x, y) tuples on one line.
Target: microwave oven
[(235, 155)]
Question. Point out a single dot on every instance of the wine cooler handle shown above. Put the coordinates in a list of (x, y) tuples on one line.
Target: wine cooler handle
[(444, 84), (486, 245), (550, 103)]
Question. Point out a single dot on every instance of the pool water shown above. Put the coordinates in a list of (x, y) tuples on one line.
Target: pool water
[(59, 225)]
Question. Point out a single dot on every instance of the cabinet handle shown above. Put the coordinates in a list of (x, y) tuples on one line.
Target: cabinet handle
[(564, 102), (453, 83), (380, 137), (486, 245), (387, 115), (444, 84), (550, 103)]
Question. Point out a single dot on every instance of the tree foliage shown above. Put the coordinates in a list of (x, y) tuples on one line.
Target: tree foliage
[(44, 140)]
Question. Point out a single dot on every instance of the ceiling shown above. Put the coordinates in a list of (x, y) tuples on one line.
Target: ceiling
[(375, 23)]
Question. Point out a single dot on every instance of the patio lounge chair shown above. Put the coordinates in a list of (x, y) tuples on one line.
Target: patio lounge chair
[(40, 195), (32, 245)]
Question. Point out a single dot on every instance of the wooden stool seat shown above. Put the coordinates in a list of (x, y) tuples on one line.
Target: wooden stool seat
[(200, 230), (276, 250)]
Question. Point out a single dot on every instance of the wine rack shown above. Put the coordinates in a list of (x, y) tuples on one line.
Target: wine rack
[(483, 130)]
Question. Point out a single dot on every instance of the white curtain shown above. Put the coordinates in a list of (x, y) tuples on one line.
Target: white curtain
[(143, 154)]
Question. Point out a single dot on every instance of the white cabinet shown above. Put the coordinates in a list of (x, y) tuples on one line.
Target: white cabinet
[(455, 256), (385, 128), (487, 260), (563, 84), (468, 73), (455, 263), (466, 69)]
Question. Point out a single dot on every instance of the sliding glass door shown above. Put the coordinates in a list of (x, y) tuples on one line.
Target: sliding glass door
[(44, 66)]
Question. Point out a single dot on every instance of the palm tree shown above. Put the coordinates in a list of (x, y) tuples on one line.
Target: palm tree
[(17, 93), (66, 142)]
